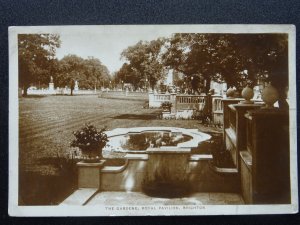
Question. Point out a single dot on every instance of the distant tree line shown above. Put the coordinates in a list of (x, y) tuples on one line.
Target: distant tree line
[(38, 62), (237, 59)]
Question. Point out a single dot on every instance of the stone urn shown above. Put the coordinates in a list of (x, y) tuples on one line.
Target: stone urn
[(247, 94), (269, 96), (230, 92)]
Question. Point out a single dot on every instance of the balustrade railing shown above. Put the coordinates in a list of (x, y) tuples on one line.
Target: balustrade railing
[(190, 102), (217, 110), (156, 99)]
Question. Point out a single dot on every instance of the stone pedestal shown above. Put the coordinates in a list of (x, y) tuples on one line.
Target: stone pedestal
[(89, 174), (226, 103), (51, 88), (167, 168), (173, 101), (265, 163), (76, 88), (235, 133)]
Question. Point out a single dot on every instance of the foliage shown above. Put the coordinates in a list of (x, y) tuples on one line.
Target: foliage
[(233, 58), (166, 105), (144, 66), (89, 140), (90, 72), (36, 58)]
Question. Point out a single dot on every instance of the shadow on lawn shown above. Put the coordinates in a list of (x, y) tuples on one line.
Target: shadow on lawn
[(148, 116), (34, 96)]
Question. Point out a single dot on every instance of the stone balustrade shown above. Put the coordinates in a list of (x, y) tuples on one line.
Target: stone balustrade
[(156, 99), (257, 140), (196, 102), (217, 109)]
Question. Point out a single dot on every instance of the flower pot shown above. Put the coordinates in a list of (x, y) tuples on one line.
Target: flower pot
[(91, 155)]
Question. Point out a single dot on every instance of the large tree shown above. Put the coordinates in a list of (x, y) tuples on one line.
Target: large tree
[(233, 58), (144, 66), (36, 58), (90, 73)]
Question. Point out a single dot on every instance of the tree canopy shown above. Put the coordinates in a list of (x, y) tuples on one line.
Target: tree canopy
[(36, 57), (144, 67), (90, 73), (233, 58)]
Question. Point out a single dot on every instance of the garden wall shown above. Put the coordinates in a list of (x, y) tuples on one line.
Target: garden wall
[(201, 176), (140, 96)]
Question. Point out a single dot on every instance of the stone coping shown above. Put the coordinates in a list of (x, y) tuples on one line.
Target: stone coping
[(136, 156), (168, 150), (115, 169), (197, 136), (225, 170), (247, 159), (232, 135), (144, 157), (91, 164), (199, 157)]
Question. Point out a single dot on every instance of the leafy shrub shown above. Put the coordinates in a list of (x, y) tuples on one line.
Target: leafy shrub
[(89, 140), (166, 105)]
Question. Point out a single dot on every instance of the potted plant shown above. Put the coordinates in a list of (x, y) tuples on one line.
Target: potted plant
[(166, 106), (90, 141)]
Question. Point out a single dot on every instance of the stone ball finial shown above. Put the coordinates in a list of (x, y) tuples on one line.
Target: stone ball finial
[(247, 94), (230, 92), (270, 95)]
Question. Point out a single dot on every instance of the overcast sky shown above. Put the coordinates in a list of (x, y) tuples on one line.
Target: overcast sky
[(105, 44)]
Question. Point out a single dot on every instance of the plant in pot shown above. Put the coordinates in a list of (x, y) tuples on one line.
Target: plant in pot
[(90, 141), (166, 106)]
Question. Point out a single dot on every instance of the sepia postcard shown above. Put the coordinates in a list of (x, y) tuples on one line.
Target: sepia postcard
[(137, 120)]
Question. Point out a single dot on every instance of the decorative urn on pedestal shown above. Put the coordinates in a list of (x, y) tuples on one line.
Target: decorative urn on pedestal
[(247, 94), (230, 92), (269, 96)]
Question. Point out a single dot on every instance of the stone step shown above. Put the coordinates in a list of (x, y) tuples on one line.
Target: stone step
[(80, 197)]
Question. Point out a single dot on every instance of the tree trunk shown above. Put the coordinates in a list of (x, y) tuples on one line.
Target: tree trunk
[(72, 91), (207, 87), (25, 90)]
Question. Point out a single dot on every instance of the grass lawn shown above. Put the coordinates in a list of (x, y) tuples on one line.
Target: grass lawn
[(45, 130)]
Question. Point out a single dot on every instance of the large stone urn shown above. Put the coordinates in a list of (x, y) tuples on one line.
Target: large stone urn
[(270, 96), (247, 94)]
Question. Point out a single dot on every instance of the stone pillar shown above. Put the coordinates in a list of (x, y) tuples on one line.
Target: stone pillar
[(239, 134), (226, 103), (266, 162), (173, 101), (167, 171), (51, 88), (76, 88), (151, 99), (89, 174)]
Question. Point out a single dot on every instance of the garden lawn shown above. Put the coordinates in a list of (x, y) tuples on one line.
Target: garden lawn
[(46, 125)]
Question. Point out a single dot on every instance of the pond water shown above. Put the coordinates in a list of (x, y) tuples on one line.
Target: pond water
[(145, 140)]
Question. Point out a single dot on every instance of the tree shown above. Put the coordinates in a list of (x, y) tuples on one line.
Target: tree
[(88, 72), (233, 58), (36, 58), (143, 63), (69, 70)]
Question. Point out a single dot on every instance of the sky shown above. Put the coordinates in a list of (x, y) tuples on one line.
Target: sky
[(105, 44)]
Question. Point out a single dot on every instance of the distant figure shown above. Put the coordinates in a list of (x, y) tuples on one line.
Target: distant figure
[(51, 79)]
